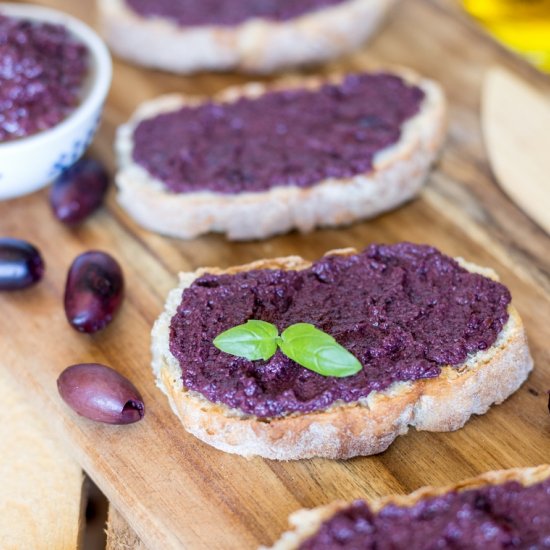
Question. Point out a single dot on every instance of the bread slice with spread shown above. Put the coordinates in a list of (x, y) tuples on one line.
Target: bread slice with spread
[(438, 340), (185, 36), (263, 159), (498, 509)]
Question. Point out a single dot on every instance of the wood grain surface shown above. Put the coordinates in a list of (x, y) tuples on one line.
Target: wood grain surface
[(518, 140), (41, 494), (175, 491), (120, 536)]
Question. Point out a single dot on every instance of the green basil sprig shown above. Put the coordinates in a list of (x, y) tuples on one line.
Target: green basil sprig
[(303, 343), (253, 340)]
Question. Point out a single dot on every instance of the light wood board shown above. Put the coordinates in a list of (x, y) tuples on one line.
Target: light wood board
[(41, 494), (175, 491), (120, 536), (518, 140)]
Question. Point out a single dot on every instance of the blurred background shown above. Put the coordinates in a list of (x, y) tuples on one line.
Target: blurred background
[(522, 25)]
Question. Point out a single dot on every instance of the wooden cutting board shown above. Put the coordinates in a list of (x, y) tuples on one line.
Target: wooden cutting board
[(35, 469), (179, 493)]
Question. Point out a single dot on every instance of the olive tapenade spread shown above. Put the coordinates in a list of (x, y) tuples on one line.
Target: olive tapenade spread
[(294, 137), (403, 310)]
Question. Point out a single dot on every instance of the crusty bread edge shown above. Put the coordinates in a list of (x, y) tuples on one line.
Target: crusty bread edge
[(257, 45), (305, 523), (362, 428), (398, 174)]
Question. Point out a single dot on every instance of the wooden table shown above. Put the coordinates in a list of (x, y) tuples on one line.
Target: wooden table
[(41, 495), (176, 492)]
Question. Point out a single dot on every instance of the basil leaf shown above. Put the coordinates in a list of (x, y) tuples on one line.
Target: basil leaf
[(318, 351), (253, 340)]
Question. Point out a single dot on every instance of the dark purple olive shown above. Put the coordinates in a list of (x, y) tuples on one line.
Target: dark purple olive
[(101, 394), (21, 264), (79, 191), (93, 292)]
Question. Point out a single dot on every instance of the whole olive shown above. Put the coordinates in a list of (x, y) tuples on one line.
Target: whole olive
[(100, 393), (78, 191), (21, 264), (93, 291)]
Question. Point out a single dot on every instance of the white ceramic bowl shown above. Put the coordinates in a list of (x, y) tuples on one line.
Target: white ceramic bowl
[(29, 163)]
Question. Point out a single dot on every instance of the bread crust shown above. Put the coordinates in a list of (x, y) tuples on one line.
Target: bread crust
[(257, 45), (305, 523), (398, 173), (344, 430)]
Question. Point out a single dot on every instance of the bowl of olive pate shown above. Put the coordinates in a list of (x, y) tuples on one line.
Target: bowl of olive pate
[(55, 73)]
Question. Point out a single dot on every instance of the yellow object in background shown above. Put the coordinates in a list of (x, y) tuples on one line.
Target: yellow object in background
[(522, 25)]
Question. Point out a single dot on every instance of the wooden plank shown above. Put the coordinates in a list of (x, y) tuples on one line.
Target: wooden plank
[(517, 141), (173, 490), (41, 492), (120, 535)]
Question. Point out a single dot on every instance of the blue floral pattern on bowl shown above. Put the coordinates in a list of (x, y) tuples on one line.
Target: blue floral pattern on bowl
[(68, 158)]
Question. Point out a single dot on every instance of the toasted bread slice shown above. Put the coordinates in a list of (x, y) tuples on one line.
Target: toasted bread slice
[(398, 173), (342, 431), (305, 523), (256, 45)]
